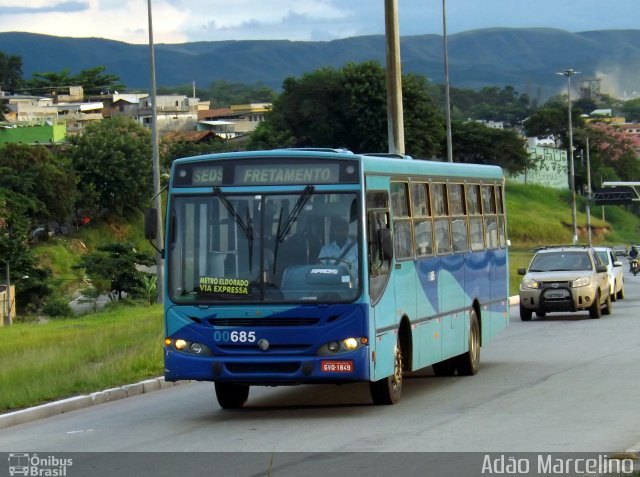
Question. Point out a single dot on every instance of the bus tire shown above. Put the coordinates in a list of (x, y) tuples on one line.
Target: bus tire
[(231, 395), (388, 390), (469, 362), (444, 368)]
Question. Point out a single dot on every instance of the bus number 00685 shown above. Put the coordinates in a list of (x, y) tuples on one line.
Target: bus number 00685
[(234, 336)]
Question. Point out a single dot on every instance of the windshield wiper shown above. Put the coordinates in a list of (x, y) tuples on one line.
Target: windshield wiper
[(247, 228), (283, 229)]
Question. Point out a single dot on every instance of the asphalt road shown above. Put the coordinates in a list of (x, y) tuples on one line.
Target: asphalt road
[(565, 383)]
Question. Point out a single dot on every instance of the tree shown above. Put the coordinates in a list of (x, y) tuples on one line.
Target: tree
[(30, 281), (93, 81), (10, 72), (113, 162), (631, 110), (113, 265), (612, 152), (348, 108), (473, 142), (170, 150), (41, 178), (552, 121), (490, 103)]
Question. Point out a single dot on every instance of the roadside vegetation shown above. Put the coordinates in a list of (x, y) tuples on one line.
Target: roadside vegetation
[(60, 358)]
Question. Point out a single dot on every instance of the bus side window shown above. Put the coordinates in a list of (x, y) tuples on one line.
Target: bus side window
[(377, 222), (422, 223), (402, 233), (441, 213)]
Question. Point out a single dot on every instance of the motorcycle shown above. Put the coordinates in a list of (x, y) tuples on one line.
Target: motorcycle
[(633, 266)]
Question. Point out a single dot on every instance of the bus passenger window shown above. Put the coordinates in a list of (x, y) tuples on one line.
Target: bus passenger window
[(402, 239)]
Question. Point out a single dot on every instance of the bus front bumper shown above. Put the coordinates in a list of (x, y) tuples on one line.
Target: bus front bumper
[(268, 370)]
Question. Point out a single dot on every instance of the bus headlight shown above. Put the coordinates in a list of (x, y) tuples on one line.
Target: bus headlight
[(189, 347), (333, 346), (350, 344), (343, 346)]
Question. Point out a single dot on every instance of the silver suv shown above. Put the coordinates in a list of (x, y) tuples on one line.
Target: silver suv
[(568, 278)]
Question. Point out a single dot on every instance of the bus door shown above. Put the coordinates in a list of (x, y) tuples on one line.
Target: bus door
[(383, 327)]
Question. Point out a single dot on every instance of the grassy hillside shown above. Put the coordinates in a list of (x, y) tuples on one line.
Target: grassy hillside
[(60, 253)]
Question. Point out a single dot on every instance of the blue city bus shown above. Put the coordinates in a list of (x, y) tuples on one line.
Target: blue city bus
[(299, 266)]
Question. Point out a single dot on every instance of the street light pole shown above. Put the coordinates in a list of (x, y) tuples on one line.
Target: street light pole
[(588, 195), (569, 73)]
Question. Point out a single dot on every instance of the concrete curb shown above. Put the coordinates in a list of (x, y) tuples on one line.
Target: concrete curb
[(514, 300), (79, 402)]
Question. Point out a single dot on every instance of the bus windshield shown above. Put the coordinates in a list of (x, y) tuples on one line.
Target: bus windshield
[(301, 246)]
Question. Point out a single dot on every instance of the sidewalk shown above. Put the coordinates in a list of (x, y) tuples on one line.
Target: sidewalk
[(78, 402)]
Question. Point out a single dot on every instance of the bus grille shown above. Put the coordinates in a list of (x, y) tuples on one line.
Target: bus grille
[(247, 368), (253, 322)]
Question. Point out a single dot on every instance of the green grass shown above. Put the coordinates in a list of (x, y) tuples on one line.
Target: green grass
[(42, 362)]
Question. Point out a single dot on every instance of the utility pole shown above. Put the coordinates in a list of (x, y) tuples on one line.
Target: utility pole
[(395, 119), (7, 318), (156, 165), (447, 100)]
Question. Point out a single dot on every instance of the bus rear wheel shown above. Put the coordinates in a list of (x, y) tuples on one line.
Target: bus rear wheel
[(388, 390), (469, 362), (231, 395)]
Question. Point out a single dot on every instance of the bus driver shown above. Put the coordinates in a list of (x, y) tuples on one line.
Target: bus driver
[(342, 249)]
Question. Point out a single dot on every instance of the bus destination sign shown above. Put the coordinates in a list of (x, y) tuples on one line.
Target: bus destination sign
[(259, 174), (253, 173), (206, 176)]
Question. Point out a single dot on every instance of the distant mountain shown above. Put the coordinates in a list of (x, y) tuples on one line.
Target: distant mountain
[(524, 58)]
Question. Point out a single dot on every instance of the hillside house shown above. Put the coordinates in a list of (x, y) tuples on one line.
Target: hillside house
[(174, 113), (235, 121)]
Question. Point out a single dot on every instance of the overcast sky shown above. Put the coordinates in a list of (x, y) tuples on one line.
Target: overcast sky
[(178, 21)]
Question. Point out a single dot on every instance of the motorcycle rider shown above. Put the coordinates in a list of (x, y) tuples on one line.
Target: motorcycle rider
[(633, 255)]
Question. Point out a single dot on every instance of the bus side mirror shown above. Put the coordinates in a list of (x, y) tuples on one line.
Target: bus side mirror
[(385, 241), (150, 223)]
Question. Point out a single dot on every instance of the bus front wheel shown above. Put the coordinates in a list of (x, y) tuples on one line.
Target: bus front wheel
[(389, 389), (231, 395)]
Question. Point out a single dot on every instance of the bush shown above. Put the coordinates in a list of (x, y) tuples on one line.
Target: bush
[(57, 307)]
